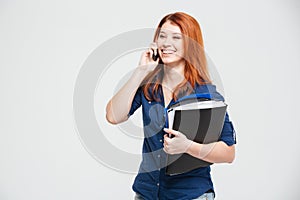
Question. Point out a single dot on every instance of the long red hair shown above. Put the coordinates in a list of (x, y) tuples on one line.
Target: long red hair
[(195, 71)]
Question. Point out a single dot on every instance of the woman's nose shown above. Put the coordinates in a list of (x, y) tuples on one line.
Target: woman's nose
[(166, 45), (167, 41)]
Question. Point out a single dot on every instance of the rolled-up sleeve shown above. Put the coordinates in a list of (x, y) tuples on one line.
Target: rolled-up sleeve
[(136, 102), (228, 134)]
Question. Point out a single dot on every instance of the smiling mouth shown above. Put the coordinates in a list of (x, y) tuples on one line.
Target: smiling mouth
[(168, 51)]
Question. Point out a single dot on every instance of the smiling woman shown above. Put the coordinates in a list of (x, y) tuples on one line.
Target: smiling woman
[(156, 84), (180, 45), (170, 45)]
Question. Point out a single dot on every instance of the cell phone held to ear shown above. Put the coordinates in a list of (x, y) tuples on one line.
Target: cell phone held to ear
[(155, 55)]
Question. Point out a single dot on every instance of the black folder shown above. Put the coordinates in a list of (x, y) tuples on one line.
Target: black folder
[(201, 121)]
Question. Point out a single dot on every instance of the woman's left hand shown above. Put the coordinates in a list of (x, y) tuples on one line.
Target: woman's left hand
[(176, 145)]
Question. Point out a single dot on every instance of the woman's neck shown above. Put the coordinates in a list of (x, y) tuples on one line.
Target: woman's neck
[(173, 75)]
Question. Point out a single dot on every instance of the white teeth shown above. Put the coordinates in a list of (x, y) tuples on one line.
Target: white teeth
[(168, 51)]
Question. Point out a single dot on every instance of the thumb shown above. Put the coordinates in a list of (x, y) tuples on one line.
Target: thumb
[(171, 131)]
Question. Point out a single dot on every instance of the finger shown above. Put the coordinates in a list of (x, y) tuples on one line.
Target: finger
[(154, 48), (167, 130), (165, 150), (150, 52), (171, 131), (168, 151), (167, 140), (165, 145)]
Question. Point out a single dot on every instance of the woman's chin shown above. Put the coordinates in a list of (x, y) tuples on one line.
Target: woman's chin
[(171, 61)]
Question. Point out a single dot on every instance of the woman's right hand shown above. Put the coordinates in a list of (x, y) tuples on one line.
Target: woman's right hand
[(146, 61)]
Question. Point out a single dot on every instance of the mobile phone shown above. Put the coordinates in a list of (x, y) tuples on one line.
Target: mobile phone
[(155, 57)]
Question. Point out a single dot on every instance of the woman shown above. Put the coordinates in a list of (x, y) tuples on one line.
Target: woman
[(180, 70)]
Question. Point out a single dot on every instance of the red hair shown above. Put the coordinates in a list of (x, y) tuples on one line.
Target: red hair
[(195, 71)]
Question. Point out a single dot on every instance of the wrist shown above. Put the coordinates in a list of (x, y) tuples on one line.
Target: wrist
[(195, 150), (189, 150)]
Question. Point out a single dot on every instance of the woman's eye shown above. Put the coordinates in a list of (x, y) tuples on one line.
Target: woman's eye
[(162, 36), (177, 38)]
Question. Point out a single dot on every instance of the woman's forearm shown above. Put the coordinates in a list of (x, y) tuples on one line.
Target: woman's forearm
[(217, 152), (118, 107)]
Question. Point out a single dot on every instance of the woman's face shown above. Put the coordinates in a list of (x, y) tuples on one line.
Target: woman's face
[(170, 44)]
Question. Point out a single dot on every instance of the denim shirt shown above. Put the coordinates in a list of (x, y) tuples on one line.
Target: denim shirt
[(151, 182)]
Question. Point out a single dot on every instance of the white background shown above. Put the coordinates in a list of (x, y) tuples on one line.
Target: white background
[(43, 44)]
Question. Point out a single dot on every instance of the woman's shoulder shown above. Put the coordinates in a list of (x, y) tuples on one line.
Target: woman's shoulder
[(210, 89), (205, 88)]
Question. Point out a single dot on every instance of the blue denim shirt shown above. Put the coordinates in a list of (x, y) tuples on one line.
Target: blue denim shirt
[(151, 182)]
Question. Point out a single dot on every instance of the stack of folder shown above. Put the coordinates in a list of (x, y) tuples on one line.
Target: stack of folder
[(201, 119)]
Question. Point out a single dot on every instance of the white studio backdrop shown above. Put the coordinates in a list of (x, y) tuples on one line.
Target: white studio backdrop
[(43, 45)]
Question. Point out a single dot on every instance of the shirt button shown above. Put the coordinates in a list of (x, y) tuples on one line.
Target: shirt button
[(160, 140), (158, 156), (149, 102), (157, 184)]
